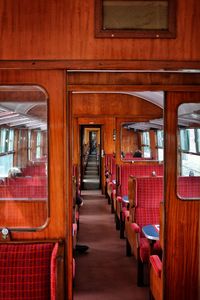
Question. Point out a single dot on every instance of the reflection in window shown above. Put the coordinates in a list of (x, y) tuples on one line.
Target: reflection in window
[(188, 182), (160, 144), (23, 157), (146, 144), (38, 146), (135, 18)]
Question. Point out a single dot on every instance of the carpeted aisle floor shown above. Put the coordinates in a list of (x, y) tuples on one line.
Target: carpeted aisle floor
[(104, 272)]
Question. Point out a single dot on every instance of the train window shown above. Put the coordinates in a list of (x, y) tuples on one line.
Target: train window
[(146, 150), (188, 183), (23, 157), (141, 141), (137, 18), (160, 144)]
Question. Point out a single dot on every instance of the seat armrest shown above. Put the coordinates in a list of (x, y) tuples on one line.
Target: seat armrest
[(119, 198), (156, 264), (135, 227)]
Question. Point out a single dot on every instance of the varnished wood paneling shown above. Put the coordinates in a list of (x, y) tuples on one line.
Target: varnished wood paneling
[(120, 79), (26, 214), (108, 124), (100, 64), (111, 105), (65, 30), (54, 83), (181, 227)]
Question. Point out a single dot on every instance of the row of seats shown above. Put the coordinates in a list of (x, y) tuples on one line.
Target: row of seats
[(145, 194), (34, 170), (29, 180), (26, 191)]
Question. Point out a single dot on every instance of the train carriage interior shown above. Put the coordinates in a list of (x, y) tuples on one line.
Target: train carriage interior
[(99, 150)]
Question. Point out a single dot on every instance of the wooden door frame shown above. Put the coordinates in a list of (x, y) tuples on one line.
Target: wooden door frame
[(136, 81), (83, 126)]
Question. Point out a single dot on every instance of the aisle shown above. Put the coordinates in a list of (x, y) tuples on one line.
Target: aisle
[(104, 273), (91, 178)]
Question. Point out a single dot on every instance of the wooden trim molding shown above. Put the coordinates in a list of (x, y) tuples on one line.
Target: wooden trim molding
[(129, 64)]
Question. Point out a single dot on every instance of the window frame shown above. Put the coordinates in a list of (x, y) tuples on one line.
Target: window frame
[(100, 32)]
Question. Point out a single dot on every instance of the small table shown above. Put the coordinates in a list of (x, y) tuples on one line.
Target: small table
[(151, 232), (125, 199)]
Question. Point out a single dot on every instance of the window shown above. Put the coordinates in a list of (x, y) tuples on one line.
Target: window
[(146, 144), (38, 145), (188, 154), (160, 144), (137, 18), (23, 175)]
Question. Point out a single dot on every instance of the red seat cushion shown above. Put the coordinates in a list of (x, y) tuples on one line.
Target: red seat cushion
[(156, 264), (25, 271)]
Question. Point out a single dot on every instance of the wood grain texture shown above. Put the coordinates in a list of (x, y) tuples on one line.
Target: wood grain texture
[(181, 225), (24, 214), (121, 79), (99, 64), (112, 105), (53, 83), (65, 30)]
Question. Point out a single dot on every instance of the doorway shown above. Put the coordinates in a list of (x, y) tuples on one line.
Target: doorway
[(90, 142)]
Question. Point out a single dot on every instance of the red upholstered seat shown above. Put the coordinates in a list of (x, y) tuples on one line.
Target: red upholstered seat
[(136, 170), (144, 250), (188, 187), (27, 271), (156, 264)]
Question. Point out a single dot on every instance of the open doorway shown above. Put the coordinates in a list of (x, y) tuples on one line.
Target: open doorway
[(90, 144)]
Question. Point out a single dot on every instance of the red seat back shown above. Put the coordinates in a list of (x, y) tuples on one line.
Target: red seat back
[(25, 271)]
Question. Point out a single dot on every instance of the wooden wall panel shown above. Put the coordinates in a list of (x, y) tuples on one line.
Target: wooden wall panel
[(108, 124), (64, 29), (182, 218), (112, 105), (129, 141), (54, 83)]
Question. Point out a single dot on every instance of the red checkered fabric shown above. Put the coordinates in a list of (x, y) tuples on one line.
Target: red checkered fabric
[(136, 170), (53, 271), (128, 156), (25, 271), (26, 191), (144, 250), (156, 264), (144, 216), (189, 187), (149, 191), (24, 181), (35, 170)]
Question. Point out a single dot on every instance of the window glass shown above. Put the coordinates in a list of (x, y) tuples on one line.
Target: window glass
[(160, 144), (146, 144), (135, 14), (135, 18), (188, 158), (23, 158), (38, 147), (11, 140), (160, 138), (197, 139)]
